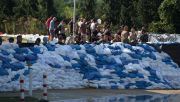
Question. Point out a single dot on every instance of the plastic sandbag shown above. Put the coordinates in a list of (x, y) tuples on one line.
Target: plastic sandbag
[(50, 47), (55, 65), (26, 72), (22, 50), (90, 50), (16, 77), (31, 57), (17, 66), (66, 58), (142, 84), (116, 52), (147, 47), (76, 47), (135, 56), (3, 72), (19, 57), (4, 52), (36, 50), (6, 65), (4, 59), (92, 76)]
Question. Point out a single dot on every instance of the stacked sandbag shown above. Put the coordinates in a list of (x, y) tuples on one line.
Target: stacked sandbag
[(109, 66)]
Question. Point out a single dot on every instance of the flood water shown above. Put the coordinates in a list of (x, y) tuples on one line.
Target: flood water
[(127, 98)]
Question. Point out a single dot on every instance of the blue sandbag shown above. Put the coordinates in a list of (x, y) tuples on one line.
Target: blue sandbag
[(120, 68), (121, 81), (114, 87), (127, 46), (19, 57), (90, 50), (82, 56), (166, 59), (128, 85), (111, 47), (36, 50), (4, 59), (151, 71), (76, 65), (66, 58), (109, 67), (154, 79), (31, 57), (147, 47), (22, 50), (87, 69), (88, 46), (107, 76), (83, 62), (142, 84), (17, 66), (26, 72), (4, 52), (135, 56), (16, 77), (152, 56), (110, 60), (92, 76), (116, 52), (135, 74), (6, 65), (77, 47), (55, 65), (50, 47), (128, 61), (3, 72), (121, 74)]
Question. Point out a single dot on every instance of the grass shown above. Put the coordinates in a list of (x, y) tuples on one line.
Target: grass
[(17, 99)]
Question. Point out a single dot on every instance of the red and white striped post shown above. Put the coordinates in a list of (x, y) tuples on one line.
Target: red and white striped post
[(21, 81), (30, 78), (44, 86)]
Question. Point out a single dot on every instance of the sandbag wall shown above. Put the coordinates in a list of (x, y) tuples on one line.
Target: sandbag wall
[(109, 66)]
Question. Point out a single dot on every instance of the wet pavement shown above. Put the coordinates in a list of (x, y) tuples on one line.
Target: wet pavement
[(101, 95), (97, 95)]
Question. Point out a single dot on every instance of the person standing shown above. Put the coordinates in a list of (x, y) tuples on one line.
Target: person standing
[(52, 28), (133, 37), (70, 26), (48, 24), (124, 35), (61, 30), (92, 28), (144, 36)]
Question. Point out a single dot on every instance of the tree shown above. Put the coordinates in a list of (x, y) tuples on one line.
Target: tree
[(87, 8), (169, 12), (112, 10), (148, 10)]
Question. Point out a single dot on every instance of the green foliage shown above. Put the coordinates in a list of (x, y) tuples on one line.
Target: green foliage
[(161, 27), (148, 10), (169, 12), (21, 16), (87, 8), (166, 10)]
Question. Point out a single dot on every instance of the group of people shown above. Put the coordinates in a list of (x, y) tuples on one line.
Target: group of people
[(87, 32), (91, 31)]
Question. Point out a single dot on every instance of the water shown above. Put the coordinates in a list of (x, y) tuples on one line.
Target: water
[(127, 98)]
